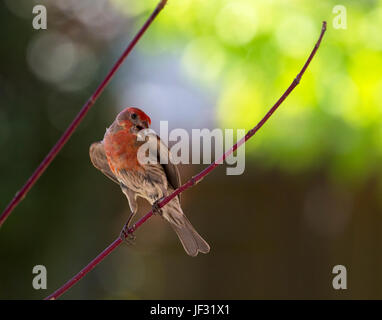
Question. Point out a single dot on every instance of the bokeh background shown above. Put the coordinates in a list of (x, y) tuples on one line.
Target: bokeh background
[(309, 199)]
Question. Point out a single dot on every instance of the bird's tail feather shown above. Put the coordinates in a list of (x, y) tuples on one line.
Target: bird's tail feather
[(191, 240)]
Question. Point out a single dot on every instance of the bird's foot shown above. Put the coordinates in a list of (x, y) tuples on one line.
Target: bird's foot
[(127, 236), (156, 208)]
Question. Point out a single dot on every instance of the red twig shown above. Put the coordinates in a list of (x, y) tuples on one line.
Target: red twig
[(192, 181), (77, 120)]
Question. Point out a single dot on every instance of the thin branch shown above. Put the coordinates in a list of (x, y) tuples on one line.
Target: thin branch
[(189, 183), (77, 120)]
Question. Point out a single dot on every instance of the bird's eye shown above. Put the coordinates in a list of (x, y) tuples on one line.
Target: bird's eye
[(133, 116)]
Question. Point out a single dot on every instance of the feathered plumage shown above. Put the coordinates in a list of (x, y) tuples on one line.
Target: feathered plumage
[(116, 157)]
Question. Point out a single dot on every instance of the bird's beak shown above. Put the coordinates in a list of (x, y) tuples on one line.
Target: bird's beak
[(140, 126)]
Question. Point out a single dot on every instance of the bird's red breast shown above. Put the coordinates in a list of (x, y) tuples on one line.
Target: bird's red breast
[(121, 150), (120, 140)]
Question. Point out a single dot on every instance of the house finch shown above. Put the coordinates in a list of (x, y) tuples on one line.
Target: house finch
[(117, 157)]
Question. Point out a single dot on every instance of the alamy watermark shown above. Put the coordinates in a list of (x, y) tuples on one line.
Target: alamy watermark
[(213, 143), (340, 280), (40, 280), (340, 20), (40, 21)]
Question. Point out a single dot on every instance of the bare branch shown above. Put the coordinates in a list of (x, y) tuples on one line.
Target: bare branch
[(77, 120), (192, 181)]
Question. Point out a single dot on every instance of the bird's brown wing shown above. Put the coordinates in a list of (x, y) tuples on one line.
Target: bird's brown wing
[(171, 169), (99, 160)]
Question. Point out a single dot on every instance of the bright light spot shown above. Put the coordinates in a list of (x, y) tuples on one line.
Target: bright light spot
[(340, 96), (294, 35), (370, 29), (55, 58), (365, 72), (100, 17), (378, 94), (240, 106), (236, 23), (52, 56), (84, 71), (203, 59)]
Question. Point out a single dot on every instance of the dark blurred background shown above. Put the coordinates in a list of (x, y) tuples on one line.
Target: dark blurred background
[(309, 199)]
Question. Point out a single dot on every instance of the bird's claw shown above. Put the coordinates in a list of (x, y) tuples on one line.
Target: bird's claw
[(127, 236), (156, 208)]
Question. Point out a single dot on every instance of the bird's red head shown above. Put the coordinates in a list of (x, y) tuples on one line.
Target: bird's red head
[(134, 118)]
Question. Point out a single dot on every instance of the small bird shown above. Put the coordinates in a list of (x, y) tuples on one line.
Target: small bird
[(117, 157)]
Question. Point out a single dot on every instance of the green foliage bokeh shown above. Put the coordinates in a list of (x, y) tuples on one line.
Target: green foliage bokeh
[(254, 49)]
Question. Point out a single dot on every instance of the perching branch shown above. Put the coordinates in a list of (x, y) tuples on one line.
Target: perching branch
[(77, 120), (192, 181)]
